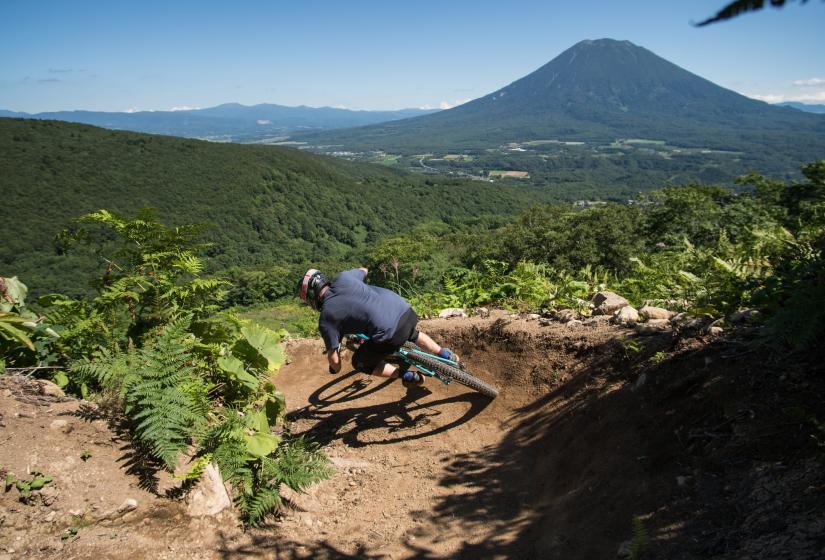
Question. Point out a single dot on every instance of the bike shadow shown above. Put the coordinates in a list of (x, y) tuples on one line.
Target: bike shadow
[(396, 421)]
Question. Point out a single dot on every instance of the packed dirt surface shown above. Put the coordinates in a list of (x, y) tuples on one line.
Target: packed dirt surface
[(600, 444)]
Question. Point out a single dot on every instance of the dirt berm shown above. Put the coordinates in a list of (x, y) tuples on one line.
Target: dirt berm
[(597, 447)]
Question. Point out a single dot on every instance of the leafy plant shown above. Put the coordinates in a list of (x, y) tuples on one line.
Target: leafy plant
[(26, 487)]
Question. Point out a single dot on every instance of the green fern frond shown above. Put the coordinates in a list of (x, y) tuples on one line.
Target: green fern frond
[(261, 503)]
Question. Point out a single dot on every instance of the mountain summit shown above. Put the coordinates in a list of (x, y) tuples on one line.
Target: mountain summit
[(599, 91)]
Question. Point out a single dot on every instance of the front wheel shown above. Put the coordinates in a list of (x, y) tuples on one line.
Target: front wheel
[(451, 372)]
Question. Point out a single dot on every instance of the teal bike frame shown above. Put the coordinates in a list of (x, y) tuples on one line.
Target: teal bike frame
[(407, 355)]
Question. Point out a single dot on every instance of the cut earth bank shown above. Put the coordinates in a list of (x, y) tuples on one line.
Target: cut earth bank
[(699, 446)]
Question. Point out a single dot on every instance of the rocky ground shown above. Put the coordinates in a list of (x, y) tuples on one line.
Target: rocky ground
[(692, 440)]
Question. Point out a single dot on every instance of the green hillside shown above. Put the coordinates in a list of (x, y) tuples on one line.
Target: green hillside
[(263, 205)]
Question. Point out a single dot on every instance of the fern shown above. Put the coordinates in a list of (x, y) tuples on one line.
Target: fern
[(165, 400), (640, 538)]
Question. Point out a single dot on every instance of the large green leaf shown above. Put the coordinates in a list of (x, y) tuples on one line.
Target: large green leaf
[(10, 332), (274, 407), (261, 347), (256, 420), (260, 444), (235, 370), (14, 290)]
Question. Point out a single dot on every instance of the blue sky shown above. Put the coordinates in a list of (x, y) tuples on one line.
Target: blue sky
[(365, 54)]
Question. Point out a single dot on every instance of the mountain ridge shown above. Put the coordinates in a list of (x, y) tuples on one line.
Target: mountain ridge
[(228, 121)]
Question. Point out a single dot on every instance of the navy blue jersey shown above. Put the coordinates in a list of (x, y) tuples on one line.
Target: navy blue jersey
[(352, 307)]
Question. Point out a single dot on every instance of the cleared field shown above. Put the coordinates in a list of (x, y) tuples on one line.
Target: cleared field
[(515, 174)]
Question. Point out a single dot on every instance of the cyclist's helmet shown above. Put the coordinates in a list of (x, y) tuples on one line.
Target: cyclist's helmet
[(310, 287)]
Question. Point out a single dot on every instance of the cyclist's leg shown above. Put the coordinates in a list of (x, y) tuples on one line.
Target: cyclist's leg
[(371, 358), (428, 344)]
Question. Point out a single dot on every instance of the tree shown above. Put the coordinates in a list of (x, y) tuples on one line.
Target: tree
[(740, 7)]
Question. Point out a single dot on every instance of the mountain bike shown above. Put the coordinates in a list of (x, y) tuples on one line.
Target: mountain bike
[(430, 365)]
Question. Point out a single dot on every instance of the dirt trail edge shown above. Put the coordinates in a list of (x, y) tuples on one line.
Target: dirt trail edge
[(707, 454)]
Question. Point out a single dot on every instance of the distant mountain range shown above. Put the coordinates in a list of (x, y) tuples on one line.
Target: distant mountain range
[(600, 91), (228, 122), (807, 107)]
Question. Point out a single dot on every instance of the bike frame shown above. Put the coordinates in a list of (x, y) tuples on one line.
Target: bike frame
[(407, 355)]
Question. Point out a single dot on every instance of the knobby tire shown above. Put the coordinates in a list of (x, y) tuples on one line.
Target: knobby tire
[(453, 373)]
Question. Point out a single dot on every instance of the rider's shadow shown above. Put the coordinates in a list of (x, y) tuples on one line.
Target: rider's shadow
[(356, 426)]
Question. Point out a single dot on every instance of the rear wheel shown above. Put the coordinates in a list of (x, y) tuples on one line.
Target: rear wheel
[(452, 372)]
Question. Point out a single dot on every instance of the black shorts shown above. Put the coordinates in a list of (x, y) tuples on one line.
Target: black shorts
[(372, 353)]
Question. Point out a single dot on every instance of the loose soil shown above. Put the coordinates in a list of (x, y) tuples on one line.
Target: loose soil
[(707, 447)]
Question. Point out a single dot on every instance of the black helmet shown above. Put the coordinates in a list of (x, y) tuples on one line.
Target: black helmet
[(310, 286)]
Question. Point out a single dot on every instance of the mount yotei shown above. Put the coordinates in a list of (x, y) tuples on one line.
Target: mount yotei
[(613, 97)]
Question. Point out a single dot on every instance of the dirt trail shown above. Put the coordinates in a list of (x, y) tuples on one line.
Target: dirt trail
[(704, 450), (443, 472)]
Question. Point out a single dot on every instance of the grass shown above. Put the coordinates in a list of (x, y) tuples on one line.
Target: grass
[(298, 319), (389, 160)]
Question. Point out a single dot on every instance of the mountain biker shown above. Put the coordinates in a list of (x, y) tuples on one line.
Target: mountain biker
[(349, 305)]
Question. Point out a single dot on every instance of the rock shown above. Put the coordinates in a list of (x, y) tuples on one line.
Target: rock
[(640, 382), (533, 316), (743, 316), (681, 481), (6, 392), (690, 325), (654, 326), (649, 312), (62, 425), (76, 512), (483, 312), (574, 324), (210, 496), (452, 312), (50, 389), (50, 517), (565, 315), (626, 316), (48, 494), (605, 303), (130, 504), (545, 322), (597, 320), (715, 331)]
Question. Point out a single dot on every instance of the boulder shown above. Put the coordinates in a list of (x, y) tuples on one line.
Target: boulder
[(627, 316), (605, 303), (452, 312), (129, 504), (50, 389), (565, 315), (654, 326), (210, 496), (483, 312), (598, 320), (62, 425), (715, 331), (648, 312), (742, 316), (574, 324)]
